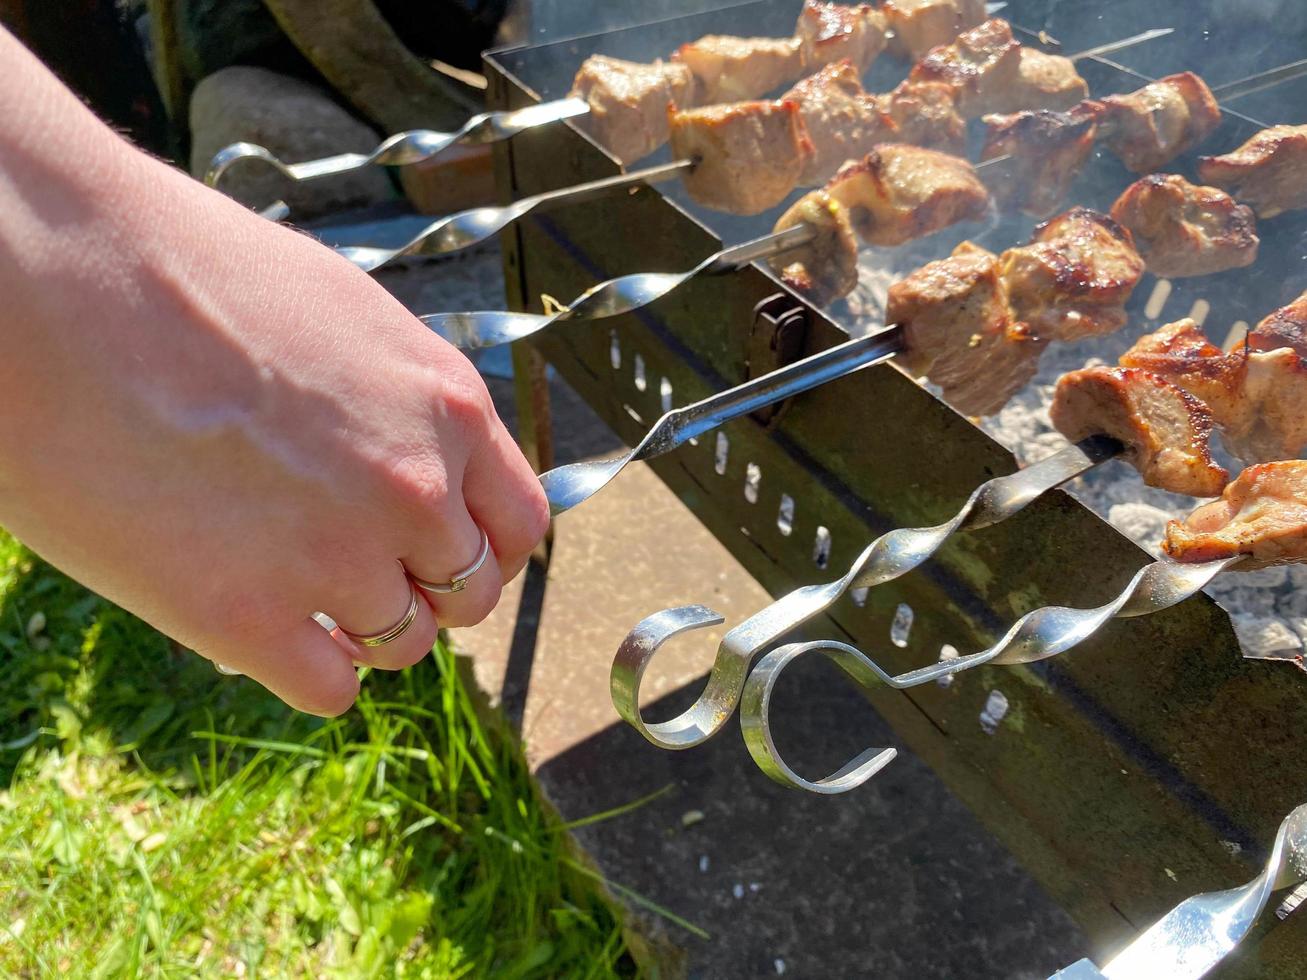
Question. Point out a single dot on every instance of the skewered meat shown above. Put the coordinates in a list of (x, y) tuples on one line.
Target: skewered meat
[(978, 66), (735, 69), (750, 154), (1185, 230), (960, 333), (628, 102), (842, 120), (920, 25), (827, 267), (1044, 81), (926, 115), (1286, 327), (1047, 150), (1155, 124), (1072, 281), (897, 193), (1165, 430), (1262, 514), (1269, 172), (831, 32)]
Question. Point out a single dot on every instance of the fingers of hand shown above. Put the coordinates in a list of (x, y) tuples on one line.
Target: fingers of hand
[(504, 497), (447, 552), (374, 604)]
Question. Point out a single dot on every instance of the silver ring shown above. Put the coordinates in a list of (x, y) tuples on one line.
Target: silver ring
[(396, 631), (459, 581)]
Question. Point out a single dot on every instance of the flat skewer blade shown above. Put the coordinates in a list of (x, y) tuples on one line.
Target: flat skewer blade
[(1125, 42), (1262, 80)]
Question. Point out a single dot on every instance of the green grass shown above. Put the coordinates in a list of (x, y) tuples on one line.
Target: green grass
[(161, 820)]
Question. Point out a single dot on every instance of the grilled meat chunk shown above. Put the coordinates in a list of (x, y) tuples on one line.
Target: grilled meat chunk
[(1286, 327), (628, 102), (1268, 173), (979, 66), (1155, 124), (926, 114), (1258, 398), (827, 267), (1046, 150), (736, 69), (1182, 229), (920, 25), (1166, 431), (1044, 81), (831, 32), (897, 193), (750, 154), (960, 333), (1072, 281), (842, 120), (1261, 514)]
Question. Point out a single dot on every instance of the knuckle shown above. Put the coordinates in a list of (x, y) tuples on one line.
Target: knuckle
[(422, 484), (415, 646), (465, 401)]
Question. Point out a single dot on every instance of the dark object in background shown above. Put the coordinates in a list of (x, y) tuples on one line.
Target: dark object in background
[(452, 31)]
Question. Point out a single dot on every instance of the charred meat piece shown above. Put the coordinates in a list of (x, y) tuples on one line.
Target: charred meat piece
[(1072, 281), (920, 25), (1286, 327), (750, 154), (1152, 126), (827, 267), (981, 65), (1268, 173), (1044, 81), (926, 114), (1046, 151), (1165, 430), (628, 102), (960, 333), (842, 120), (735, 69), (1182, 229), (831, 32), (1262, 514), (897, 193)]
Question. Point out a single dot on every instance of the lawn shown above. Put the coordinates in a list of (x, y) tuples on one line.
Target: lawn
[(159, 819)]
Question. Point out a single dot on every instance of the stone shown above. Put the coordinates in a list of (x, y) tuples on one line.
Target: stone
[(296, 121)]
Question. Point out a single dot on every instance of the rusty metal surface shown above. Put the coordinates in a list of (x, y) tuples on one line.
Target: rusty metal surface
[(1149, 761)]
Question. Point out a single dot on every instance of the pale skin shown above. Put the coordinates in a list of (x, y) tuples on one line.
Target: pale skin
[(222, 426)]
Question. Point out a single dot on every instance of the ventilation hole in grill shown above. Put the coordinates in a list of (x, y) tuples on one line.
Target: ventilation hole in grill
[(1157, 299), (821, 548), (900, 629), (721, 453), (995, 710), (1198, 312), (752, 480), (641, 382), (615, 351), (859, 595), (785, 515), (633, 413), (665, 393), (1236, 336)]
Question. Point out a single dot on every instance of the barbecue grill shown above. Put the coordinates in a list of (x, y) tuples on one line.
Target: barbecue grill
[(1156, 746)]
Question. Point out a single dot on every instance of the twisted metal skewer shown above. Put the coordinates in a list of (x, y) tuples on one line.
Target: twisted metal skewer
[(411, 146), (1201, 931), (891, 555), (1038, 635)]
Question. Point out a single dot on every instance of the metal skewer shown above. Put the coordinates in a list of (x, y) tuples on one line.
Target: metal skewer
[(567, 486), (1201, 931), (411, 146), (888, 557)]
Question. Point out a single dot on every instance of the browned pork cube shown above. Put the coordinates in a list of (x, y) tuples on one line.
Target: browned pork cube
[(1261, 514), (1046, 151), (926, 114), (897, 193), (1165, 430), (920, 25), (831, 32), (1286, 327), (749, 155), (1044, 81), (981, 65), (1182, 229), (628, 102), (1075, 277), (842, 120), (960, 333), (1152, 126), (1268, 173), (735, 69), (826, 268)]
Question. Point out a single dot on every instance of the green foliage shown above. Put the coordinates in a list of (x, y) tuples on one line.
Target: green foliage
[(162, 820)]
